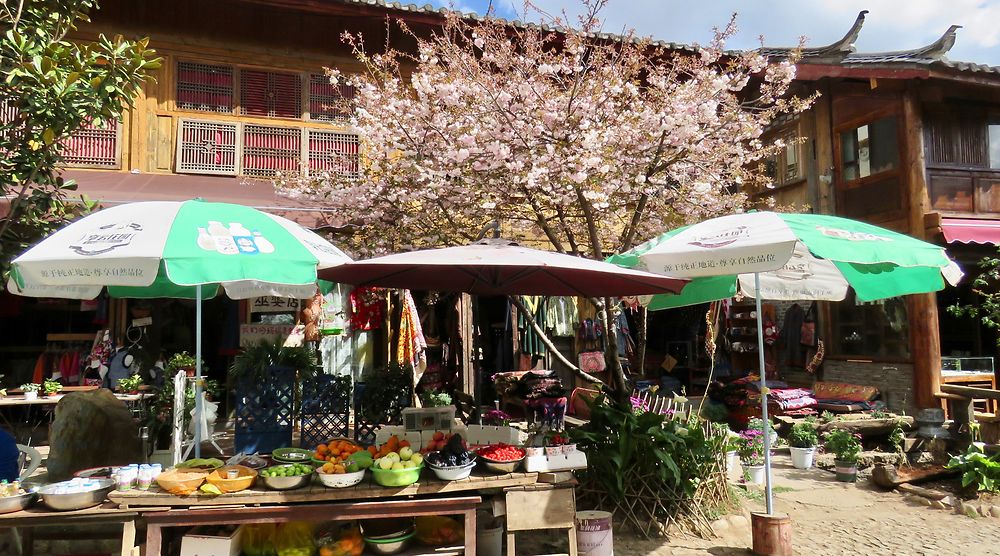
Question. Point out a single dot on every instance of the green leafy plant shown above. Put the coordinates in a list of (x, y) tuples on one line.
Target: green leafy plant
[(55, 87), (435, 398), (756, 423), (254, 362), (827, 417), (844, 444), (31, 387), (978, 470), (803, 435), (130, 384), (880, 414), (50, 387), (178, 361), (385, 391)]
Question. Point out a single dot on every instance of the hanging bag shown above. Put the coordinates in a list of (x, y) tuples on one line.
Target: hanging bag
[(808, 330), (592, 362)]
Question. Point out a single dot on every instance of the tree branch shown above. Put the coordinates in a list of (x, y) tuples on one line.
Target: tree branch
[(548, 343)]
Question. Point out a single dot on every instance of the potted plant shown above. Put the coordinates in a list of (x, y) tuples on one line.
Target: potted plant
[(757, 423), (846, 447), (130, 385), (51, 387), (751, 450), (496, 418), (803, 440), (182, 361), (31, 390), (435, 398), (732, 447)]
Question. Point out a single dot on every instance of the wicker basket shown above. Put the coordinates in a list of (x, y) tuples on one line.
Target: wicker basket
[(243, 481), (181, 482)]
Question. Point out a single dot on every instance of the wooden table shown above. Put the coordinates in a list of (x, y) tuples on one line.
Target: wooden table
[(365, 490), (24, 522), (978, 380)]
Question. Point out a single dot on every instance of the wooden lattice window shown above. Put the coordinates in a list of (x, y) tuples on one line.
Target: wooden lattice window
[(268, 150), (93, 146), (207, 147), (330, 151), (328, 102), (270, 93), (204, 87)]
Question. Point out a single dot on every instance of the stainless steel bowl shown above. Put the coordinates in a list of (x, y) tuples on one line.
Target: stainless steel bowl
[(501, 466), (76, 500), (286, 483), (10, 504)]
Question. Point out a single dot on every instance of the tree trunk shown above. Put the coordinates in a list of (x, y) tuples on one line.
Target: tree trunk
[(641, 324), (614, 364)]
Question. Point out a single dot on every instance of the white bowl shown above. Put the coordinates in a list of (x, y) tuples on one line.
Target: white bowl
[(341, 480), (453, 473)]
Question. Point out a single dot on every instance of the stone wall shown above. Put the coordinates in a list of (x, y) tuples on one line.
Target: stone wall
[(894, 380)]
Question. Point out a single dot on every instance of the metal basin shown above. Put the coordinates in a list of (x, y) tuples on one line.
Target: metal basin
[(76, 500), (10, 504)]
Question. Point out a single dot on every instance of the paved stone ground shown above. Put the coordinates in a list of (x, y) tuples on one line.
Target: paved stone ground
[(831, 518)]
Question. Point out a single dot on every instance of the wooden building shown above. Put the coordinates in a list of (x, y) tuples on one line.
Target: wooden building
[(909, 140)]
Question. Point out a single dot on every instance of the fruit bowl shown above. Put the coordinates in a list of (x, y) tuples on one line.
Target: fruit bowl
[(501, 466), (291, 455), (284, 482), (453, 473), (341, 480), (397, 477), (219, 478)]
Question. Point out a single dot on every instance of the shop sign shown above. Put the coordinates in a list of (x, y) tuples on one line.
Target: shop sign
[(254, 333), (271, 304)]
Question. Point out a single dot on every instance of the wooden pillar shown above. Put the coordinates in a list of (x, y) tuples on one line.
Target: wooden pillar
[(467, 327), (925, 338)]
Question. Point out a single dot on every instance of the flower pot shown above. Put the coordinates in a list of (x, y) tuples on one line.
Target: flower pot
[(190, 371), (31, 395), (732, 460), (754, 474), (802, 458), (847, 471)]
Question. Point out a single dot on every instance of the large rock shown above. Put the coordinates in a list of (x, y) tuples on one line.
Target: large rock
[(91, 429)]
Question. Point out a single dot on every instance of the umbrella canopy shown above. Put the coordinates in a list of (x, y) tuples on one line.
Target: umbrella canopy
[(164, 248), (789, 256), (498, 267), (797, 256)]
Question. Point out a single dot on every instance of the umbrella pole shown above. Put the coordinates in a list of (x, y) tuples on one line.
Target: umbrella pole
[(763, 397), (197, 374)]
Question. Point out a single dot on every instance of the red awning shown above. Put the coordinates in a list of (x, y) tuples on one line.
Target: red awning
[(113, 188), (969, 230)]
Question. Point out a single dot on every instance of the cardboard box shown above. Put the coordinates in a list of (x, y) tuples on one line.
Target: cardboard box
[(429, 418), (211, 541)]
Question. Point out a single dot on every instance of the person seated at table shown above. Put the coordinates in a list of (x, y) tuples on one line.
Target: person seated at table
[(9, 455)]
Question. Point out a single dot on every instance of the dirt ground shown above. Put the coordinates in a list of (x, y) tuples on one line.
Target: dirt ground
[(831, 518)]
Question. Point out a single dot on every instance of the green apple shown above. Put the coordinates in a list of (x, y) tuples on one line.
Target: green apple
[(408, 464), (397, 465), (417, 459), (385, 463), (405, 453), (394, 457)]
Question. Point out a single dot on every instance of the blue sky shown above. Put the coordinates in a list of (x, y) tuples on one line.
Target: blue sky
[(890, 24)]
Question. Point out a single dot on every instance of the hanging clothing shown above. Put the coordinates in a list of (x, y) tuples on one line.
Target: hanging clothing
[(791, 336), (38, 374), (412, 345), (366, 309), (531, 342), (561, 316), (623, 335)]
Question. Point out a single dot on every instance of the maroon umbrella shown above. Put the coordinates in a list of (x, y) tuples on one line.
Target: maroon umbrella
[(499, 267)]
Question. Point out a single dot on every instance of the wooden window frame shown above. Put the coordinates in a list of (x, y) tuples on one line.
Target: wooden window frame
[(240, 128), (841, 186), (119, 124)]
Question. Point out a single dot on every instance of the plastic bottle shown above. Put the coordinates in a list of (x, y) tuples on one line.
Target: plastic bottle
[(205, 241), (223, 239), (244, 240), (263, 245)]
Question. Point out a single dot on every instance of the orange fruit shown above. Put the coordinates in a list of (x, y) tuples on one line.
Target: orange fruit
[(321, 449)]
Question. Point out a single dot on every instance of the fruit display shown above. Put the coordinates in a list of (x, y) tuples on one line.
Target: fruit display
[(348, 542), (358, 461), (396, 463), (287, 470), (501, 452), (453, 454), (438, 442), (336, 451)]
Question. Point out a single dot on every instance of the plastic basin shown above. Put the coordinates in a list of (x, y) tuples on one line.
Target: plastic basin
[(397, 477)]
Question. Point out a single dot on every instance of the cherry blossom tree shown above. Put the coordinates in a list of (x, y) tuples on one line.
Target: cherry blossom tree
[(585, 142)]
